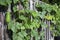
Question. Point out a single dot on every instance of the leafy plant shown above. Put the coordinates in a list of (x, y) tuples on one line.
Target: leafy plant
[(22, 20)]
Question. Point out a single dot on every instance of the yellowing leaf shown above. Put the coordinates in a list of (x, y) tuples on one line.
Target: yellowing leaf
[(49, 17)]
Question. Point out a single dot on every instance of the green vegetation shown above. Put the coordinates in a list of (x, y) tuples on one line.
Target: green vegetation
[(24, 27)]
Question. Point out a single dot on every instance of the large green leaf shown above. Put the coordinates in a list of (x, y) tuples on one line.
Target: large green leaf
[(15, 1), (5, 2)]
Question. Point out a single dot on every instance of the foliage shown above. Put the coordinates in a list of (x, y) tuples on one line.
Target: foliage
[(52, 14), (24, 27)]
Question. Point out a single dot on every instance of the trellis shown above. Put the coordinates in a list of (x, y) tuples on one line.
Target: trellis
[(46, 30), (31, 7)]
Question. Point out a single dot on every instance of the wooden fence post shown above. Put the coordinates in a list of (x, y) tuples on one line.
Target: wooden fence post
[(1, 26), (31, 8)]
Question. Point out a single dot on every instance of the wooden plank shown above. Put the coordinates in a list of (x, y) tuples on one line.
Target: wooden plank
[(0, 32), (1, 26)]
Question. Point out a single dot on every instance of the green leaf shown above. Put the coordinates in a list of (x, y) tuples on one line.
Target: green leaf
[(8, 2), (44, 25), (15, 8), (22, 27), (24, 33), (5, 2), (20, 34), (14, 29), (34, 33), (49, 17), (35, 14), (2, 2), (18, 25), (19, 38), (15, 36), (10, 24), (15, 1), (21, 11), (22, 17), (22, 0), (42, 14)]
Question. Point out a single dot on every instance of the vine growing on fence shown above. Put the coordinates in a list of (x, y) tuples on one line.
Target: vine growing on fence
[(22, 26)]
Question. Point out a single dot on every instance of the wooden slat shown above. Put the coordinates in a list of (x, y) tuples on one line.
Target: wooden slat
[(0, 32), (1, 26)]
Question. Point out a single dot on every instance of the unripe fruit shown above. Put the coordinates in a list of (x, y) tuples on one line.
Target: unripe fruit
[(8, 17)]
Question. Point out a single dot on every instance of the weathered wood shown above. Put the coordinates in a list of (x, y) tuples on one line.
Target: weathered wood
[(1, 26), (0, 32)]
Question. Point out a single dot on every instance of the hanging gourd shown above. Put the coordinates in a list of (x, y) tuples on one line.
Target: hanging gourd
[(8, 17)]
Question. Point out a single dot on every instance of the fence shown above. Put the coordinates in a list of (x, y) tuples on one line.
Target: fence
[(32, 3)]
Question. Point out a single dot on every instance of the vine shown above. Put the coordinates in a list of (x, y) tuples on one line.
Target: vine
[(22, 26)]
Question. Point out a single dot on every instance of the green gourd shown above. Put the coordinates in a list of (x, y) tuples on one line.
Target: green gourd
[(8, 17)]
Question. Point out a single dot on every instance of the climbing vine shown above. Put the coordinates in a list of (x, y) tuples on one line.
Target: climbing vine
[(23, 27)]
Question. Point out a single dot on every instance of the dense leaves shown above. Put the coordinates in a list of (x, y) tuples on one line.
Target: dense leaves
[(31, 20)]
